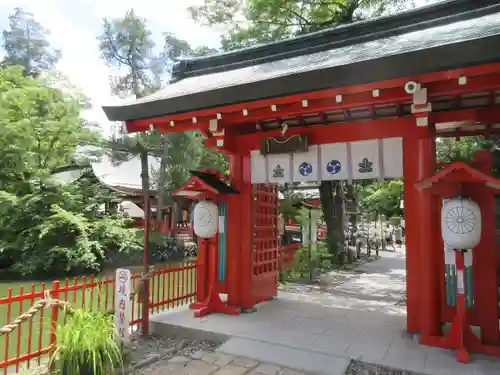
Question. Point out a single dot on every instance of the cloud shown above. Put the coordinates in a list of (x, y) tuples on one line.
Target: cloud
[(75, 24)]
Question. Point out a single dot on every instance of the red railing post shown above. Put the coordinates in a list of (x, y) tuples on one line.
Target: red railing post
[(56, 285), (170, 287)]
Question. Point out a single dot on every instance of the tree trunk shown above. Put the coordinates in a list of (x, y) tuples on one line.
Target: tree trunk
[(332, 206), (147, 227), (352, 212), (338, 206), (162, 179), (328, 208)]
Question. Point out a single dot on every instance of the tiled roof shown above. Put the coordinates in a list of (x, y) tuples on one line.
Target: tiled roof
[(124, 177), (458, 33)]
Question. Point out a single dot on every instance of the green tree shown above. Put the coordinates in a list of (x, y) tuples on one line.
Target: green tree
[(127, 43), (451, 149), (41, 129), (202, 51), (259, 21), (25, 43), (382, 198), (45, 227), (463, 149)]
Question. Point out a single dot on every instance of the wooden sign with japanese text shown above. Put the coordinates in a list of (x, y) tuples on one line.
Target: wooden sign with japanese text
[(123, 304), (283, 145)]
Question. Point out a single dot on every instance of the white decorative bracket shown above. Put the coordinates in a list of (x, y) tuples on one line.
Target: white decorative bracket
[(420, 107), (213, 124), (218, 134)]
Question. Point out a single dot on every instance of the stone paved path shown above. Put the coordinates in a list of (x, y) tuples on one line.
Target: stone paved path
[(322, 331), (213, 363)]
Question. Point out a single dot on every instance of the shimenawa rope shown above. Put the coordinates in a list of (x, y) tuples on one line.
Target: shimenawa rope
[(137, 282), (46, 302)]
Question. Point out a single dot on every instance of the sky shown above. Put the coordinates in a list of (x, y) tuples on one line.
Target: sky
[(75, 25)]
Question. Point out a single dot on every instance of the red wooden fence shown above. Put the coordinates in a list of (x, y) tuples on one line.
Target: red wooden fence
[(170, 286)]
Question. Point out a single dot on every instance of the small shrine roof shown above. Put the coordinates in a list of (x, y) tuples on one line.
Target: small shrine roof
[(202, 182), (213, 181), (447, 35), (455, 172), (124, 177)]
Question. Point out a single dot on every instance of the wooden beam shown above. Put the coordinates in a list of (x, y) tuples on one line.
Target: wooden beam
[(445, 83)]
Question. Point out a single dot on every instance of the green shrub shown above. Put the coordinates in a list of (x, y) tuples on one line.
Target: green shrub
[(87, 344)]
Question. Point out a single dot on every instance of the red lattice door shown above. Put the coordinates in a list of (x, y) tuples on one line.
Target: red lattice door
[(266, 242)]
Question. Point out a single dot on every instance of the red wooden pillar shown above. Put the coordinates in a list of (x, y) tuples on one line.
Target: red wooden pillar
[(202, 270), (412, 229), (484, 257), (430, 324), (234, 232), (240, 233), (247, 235)]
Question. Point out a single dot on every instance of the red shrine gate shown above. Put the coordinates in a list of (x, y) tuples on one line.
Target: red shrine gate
[(427, 73)]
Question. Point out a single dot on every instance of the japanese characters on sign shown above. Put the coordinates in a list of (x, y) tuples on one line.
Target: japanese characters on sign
[(123, 304)]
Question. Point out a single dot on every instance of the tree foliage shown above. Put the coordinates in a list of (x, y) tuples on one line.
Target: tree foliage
[(25, 44), (41, 128), (451, 149), (260, 21), (251, 22), (127, 43), (382, 198), (45, 227)]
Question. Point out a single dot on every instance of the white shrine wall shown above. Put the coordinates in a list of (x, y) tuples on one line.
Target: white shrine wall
[(369, 159)]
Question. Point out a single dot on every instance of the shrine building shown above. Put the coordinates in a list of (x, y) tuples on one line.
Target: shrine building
[(361, 101)]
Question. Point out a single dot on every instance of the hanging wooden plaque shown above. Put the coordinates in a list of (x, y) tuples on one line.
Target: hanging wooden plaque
[(284, 145)]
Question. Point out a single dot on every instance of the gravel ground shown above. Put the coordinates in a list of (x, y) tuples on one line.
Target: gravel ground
[(364, 368), (145, 350), (144, 353)]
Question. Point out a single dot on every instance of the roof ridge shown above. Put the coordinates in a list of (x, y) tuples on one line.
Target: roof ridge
[(415, 19)]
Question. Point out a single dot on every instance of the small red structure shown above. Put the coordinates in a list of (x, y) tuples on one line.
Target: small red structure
[(460, 179), (207, 185)]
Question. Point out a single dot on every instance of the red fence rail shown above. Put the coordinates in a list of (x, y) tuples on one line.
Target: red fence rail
[(170, 286)]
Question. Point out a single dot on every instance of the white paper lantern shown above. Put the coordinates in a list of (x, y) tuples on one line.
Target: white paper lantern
[(461, 223), (205, 219)]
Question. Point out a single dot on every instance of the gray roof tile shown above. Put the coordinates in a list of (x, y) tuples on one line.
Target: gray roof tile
[(451, 35)]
